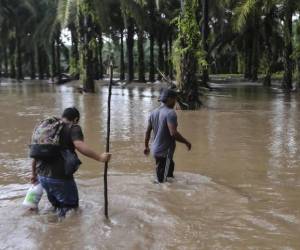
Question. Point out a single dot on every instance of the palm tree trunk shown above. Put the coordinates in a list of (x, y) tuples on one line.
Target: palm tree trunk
[(19, 57), (89, 84), (233, 64), (1, 51), (40, 63), (130, 44), (86, 48), (12, 48), (32, 64), (1, 57), (160, 56), (240, 63), (255, 57), (151, 6), (298, 77), (166, 58), (96, 30), (288, 46), (58, 47), (47, 64), (170, 55), (101, 69), (53, 60), (248, 56), (74, 60), (141, 65), (122, 63), (99, 52), (188, 64), (151, 69), (268, 77), (205, 33), (96, 63), (269, 55), (255, 48), (5, 74)]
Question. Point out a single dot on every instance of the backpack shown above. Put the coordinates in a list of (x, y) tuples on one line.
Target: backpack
[(45, 141)]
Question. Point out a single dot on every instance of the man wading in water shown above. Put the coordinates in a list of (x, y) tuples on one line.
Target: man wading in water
[(61, 188), (163, 122)]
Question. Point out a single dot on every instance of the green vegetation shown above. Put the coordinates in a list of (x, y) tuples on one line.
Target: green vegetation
[(182, 38)]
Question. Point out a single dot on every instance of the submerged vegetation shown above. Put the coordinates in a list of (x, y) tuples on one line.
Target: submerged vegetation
[(186, 40)]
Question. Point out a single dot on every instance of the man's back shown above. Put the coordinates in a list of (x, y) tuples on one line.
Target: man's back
[(163, 143)]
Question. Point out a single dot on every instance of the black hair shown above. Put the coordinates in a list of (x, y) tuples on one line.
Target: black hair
[(71, 114), (166, 93)]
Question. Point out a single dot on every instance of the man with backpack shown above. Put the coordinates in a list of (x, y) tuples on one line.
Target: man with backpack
[(53, 148), (163, 122)]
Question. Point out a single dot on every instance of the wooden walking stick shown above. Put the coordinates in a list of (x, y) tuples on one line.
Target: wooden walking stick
[(107, 141)]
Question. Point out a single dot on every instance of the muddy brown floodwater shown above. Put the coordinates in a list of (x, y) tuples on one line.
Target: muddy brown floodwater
[(239, 187)]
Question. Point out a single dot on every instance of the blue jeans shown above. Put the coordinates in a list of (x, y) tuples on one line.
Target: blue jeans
[(62, 194)]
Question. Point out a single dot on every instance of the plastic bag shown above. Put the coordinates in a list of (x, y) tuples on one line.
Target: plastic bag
[(33, 196)]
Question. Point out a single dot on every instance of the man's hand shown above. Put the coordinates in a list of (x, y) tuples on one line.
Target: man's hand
[(188, 145), (85, 150), (147, 151), (105, 157)]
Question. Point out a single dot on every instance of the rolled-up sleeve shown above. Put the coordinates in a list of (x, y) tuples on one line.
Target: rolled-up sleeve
[(172, 118), (76, 133)]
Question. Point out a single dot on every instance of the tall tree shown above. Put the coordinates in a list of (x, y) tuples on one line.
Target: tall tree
[(141, 63), (122, 62), (160, 58), (74, 59), (287, 83), (151, 9), (85, 28), (187, 55), (205, 33), (130, 44)]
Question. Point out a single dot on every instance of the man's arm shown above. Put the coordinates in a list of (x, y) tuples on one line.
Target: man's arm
[(177, 136), (147, 139), (84, 149), (33, 178)]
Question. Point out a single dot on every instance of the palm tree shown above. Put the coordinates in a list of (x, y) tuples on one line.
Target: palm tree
[(205, 33), (188, 54), (272, 11), (151, 28), (13, 22), (80, 16), (248, 18), (297, 52), (141, 63), (288, 12)]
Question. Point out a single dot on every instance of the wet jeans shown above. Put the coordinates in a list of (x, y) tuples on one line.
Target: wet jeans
[(62, 194), (164, 168)]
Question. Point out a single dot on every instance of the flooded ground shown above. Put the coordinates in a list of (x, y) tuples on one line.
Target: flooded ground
[(239, 187)]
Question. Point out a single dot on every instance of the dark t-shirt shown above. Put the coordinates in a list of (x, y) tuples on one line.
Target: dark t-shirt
[(54, 168)]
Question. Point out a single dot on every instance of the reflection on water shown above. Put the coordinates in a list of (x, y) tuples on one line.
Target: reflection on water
[(237, 189)]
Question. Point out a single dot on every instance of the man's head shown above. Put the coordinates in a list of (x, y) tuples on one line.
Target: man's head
[(168, 97), (71, 115)]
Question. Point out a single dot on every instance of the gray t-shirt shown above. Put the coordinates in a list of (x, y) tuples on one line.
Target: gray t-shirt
[(163, 144)]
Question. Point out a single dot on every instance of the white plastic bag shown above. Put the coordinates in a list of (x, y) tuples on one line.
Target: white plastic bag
[(33, 196)]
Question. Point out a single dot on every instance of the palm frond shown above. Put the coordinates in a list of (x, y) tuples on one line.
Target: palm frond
[(67, 12), (242, 12)]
